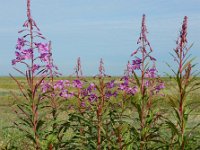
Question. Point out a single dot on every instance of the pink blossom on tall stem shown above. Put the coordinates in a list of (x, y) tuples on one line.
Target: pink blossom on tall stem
[(92, 98), (110, 84), (28, 51), (182, 78), (101, 68), (143, 37), (91, 87), (136, 64), (59, 85), (78, 68), (42, 47), (159, 87), (25, 54), (183, 34), (139, 64), (180, 50), (148, 84), (77, 83), (151, 73), (35, 67), (50, 67), (126, 87), (66, 94), (128, 70), (46, 86), (20, 43)]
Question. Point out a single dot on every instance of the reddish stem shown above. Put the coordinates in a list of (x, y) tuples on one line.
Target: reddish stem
[(34, 106)]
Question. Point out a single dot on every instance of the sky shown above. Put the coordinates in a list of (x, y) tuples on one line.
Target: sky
[(94, 29)]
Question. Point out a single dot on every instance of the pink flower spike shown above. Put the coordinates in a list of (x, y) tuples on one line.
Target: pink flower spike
[(35, 67), (42, 47), (20, 43), (135, 52), (77, 84), (28, 54)]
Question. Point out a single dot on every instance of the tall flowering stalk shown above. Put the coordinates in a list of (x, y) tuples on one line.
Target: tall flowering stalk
[(105, 92), (35, 56), (49, 89), (148, 86), (100, 104), (88, 120), (96, 98), (78, 84), (78, 68), (186, 81)]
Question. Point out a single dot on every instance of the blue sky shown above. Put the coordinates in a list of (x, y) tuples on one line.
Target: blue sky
[(94, 29)]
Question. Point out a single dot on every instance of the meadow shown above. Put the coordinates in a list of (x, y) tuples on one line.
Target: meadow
[(41, 110)]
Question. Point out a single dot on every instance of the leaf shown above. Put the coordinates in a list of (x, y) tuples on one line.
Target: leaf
[(40, 123), (172, 127), (136, 78), (31, 137), (187, 63)]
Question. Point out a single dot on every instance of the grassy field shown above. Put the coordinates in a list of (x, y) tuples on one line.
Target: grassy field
[(7, 115)]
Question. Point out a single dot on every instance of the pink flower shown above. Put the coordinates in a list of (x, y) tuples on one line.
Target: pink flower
[(77, 84), (45, 87), (110, 94), (59, 84), (92, 97), (123, 86), (111, 84), (28, 54), (35, 67), (20, 43), (136, 64), (159, 87), (83, 104), (42, 47), (129, 67), (66, 94), (91, 87), (44, 57), (19, 56), (147, 83), (132, 91), (14, 61), (135, 52), (151, 73)]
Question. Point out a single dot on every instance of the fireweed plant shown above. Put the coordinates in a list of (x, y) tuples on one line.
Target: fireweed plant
[(86, 116), (82, 100), (34, 52), (90, 124), (105, 92), (145, 90), (182, 124), (53, 94), (60, 92), (78, 84)]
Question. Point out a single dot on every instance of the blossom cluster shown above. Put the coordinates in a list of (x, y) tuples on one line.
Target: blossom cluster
[(144, 64), (127, 87), (35, 55), (64, 88)]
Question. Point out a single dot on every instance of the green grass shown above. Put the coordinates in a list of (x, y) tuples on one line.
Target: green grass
[(9, 136)]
